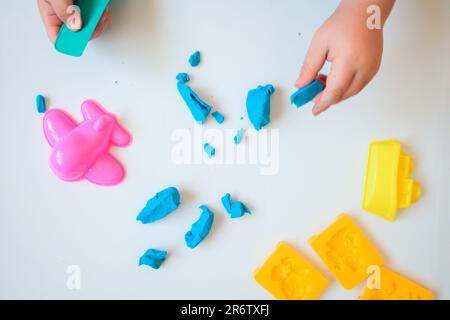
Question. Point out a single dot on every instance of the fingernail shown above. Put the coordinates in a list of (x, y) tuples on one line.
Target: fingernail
[(74, 23)]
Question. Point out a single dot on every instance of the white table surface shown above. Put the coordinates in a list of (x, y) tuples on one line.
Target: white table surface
[(47, 225)]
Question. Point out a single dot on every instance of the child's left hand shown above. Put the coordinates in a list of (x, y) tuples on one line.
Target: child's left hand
[(353, 49)]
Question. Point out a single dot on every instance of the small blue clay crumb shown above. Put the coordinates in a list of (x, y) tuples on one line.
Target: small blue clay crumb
[(200, 228), (258, 105), (40, 104), (235, 209), (161, 205), (304, 95), (209, 149), (194, 59), (116, 82), (153, 258), (218, 116), (241, 118), (239, 135), (199, 109)]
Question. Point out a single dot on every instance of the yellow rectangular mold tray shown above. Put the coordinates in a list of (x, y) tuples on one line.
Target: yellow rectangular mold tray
[(289, 276), (346, 251), (393, 286), (387, 185)]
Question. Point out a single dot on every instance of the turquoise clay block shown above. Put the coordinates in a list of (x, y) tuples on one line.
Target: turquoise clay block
[(218, 116), (304, 95), (209, 149), (73, 43), (194, 59), (200, 228), (236, 209), (258, 105), (199, 109), (153, 258), (239, 135), (40, 104), (161, 205)]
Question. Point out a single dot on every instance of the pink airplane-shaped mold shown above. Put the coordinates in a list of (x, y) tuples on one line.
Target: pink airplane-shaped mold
[(81, 150)]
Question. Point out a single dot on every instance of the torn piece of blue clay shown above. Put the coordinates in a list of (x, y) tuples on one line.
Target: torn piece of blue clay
[(307, 93), (235, 209), (258, 105), (158, 207), (199, 109), (153, 258), (194, 59), (239, 135), (218, 116), (40, 104), (200, 228), (209, 149)]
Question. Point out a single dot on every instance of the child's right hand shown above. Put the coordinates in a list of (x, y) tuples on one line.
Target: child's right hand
[(55, 13)]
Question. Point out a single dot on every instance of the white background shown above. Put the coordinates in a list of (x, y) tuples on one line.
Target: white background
[(47, 225)]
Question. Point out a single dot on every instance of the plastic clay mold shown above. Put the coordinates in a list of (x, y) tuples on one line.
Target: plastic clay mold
[(346, 251), (73, 43), (81, 150), (289, 276), (388, 186), (396, 287)]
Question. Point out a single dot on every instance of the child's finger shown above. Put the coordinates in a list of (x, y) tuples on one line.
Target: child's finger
[(338, 81), (358, 83), (314, 61), (103, 24), (61, 9)]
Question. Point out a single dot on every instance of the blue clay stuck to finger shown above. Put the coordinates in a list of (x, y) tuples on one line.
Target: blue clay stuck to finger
[(307, 93), (236, 209), (153, 258), (161, 205), (199, 109), (200, 229), (258, 105)]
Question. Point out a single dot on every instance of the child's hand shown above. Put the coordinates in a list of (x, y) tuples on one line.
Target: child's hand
[(56, 12), (353, 49)]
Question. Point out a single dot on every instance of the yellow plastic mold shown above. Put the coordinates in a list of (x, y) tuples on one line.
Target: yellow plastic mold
[(289, 276), (393, 286), (346, 251), (388, 186)]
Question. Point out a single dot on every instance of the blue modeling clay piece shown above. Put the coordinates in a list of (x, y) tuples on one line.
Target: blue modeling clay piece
[(239, 135), (153, 258), (209, 149), (199, 109), (194, 60), (218, 116), (304, 95), (200, 228), (235, 209), (158, 207), (258, 105), (40, 104)]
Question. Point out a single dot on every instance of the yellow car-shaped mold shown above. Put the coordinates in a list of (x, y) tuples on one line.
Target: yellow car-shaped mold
[(388, 185)]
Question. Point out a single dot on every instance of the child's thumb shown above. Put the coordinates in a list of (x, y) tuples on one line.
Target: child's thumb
[(68, 13)]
